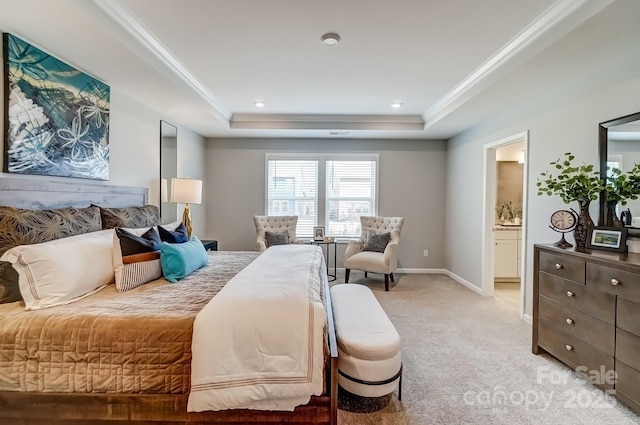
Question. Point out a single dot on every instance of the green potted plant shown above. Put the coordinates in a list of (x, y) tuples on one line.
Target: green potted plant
[(579, 183), (620, 188)]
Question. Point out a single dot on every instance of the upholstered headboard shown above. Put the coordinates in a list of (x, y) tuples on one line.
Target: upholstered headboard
[(40, 194)]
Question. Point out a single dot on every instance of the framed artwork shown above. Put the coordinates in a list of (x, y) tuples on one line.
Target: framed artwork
[(607, 238), (318, 233), (56, 117)]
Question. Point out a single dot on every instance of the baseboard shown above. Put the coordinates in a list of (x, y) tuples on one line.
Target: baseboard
[(423, 271), (528, 319), (463, 282), (406, 271)]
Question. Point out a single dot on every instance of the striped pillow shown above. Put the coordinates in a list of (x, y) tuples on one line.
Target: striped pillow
[(136, 258)]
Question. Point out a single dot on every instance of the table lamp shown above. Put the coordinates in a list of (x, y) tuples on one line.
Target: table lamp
[(186, 191)]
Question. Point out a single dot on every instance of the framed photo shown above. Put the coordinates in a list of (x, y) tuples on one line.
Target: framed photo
[(607, 238), (318, 233)]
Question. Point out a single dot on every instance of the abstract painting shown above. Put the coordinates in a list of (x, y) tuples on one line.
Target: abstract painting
[(57, 117)]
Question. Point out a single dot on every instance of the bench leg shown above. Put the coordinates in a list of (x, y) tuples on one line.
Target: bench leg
[(391, 275), (346, 275), (400, 386), (365, 274), (386, 282)]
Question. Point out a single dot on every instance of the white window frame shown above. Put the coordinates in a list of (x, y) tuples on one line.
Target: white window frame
[(322, 159)]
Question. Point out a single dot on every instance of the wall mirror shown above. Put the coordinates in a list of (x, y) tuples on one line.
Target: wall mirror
[(168, 170), (619, 147)]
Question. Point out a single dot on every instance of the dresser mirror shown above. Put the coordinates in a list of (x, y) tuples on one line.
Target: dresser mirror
[(168, 170), (619, 147)]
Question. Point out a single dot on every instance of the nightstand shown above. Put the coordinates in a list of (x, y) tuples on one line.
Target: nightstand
[(210, 245)]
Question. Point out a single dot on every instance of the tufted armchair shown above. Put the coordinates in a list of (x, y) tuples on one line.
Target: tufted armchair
[(356, 257), (276, 224)]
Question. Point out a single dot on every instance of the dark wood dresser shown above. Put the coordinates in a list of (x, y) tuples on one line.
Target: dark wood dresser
[(586, 313)]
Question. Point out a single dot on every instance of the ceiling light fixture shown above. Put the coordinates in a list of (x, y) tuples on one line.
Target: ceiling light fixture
[(396, 104), (259, 103), (330, 39)]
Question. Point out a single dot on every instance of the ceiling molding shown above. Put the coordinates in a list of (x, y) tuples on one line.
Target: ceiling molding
[(121, 16), (547, 20), (326, 122)]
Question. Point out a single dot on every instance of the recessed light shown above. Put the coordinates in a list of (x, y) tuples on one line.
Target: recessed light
[(330, 39), (396, 104), (259, 103)]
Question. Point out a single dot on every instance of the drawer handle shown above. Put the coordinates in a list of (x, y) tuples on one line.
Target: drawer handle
[(615, 282), (569, 294), (568, 347), (569, 321), (558, 266)]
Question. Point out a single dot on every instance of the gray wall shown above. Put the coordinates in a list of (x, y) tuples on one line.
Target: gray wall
[(562, 115), (411, 184)]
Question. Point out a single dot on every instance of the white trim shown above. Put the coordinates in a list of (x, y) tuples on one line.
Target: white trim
[(420, 271), (121, 15), (488, 214), (464, 282), (406, 271), (528, 319), (546, 21)]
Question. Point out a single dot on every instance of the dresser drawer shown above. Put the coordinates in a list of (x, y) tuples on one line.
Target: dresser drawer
[(580, 297), (559, 265), (628, 348), (591, 330), (614, 281), (571, 350), (628, 316), (628, 384)]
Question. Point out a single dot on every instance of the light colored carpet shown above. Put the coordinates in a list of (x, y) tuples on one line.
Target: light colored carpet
[(467, 360)]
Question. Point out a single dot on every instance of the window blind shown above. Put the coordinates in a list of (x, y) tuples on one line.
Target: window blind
[(292, 189), (350, 193)]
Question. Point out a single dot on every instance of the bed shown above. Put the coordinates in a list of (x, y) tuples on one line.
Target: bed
[(159, 395)]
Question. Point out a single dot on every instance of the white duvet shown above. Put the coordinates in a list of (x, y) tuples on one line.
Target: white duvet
[(258, 344)]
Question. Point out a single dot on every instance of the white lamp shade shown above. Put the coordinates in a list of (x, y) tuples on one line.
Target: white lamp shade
[(163, 191), (186, 191)]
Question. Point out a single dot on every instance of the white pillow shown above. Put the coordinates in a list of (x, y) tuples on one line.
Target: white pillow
[(63, 270), (171, 226)]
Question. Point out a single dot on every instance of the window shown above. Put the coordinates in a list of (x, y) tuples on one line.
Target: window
[(326, 191)]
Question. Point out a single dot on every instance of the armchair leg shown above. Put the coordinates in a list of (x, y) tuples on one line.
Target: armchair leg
[(365, 274), (386, 282), (346, 275), (391, 275)]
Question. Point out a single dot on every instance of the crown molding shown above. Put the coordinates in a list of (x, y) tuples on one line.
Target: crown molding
[(117, 12), (551, 17)]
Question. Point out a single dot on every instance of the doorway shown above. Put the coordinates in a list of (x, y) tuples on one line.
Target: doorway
[(505, 221)]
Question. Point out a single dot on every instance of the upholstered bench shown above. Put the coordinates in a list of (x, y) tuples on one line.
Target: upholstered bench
[(369, 360)]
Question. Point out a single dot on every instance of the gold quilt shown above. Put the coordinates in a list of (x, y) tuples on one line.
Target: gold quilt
[(137, 341)]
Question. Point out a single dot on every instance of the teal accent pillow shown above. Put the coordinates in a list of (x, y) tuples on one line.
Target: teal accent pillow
[(179, 260)]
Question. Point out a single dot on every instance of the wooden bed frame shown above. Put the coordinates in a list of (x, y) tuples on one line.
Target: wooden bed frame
[(158, 409)]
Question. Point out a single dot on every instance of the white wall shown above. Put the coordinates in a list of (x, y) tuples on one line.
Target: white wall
[(411, 175), (562, 114)]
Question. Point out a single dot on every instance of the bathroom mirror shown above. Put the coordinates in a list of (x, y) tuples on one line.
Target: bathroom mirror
[(619, 147), (168, 170)]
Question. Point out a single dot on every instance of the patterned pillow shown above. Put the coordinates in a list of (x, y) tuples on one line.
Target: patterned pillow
[(146, 216), (377, 243), (20, 226), (273, 238), (23, 227), (9, 287), (136, 259)]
